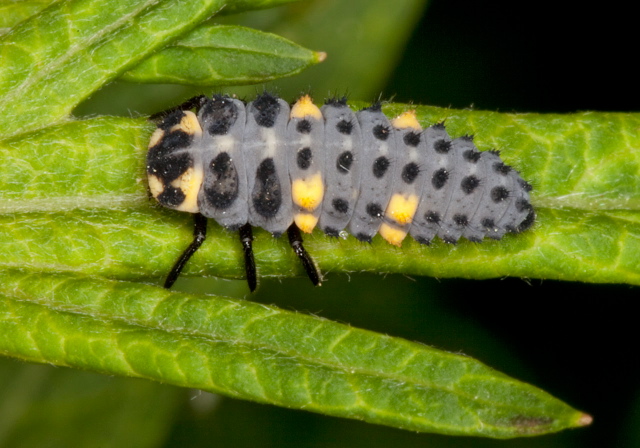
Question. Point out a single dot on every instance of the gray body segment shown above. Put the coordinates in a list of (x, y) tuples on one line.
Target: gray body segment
[(224, 192), (343, 165), (379, 152), (306, 154), (264, 148), (457, 206), (409, 176), (426, 222)]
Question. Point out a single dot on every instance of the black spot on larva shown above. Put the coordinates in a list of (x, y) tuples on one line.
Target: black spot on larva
[(374, 210), (475, 239), (171, 197), (170, 167), (265, 110), (461, 220), (223, 190), (501, 168), (432, 217), (363, 237), (469, 184), (423, 240), (471, 155), (219, 127), (488, 223), (344, 127), (171, 120), (528, 221), (526, 186), (499, 194), (381, 132), (440, 178), (410, 172), (495, 152), (343, 164), (267, 192), (340, 205), (304, 158), (380, 166), (412, 139), (221, 112), (169, 143), (467, 138), (442, 146), (303, 126), (510, 228), (337, 102), (450, 240), (330, 231), (522, 205)]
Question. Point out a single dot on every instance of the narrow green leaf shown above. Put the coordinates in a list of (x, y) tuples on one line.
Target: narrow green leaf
[(362, 38), (588, 229), (252, 351), (218, 55), (56, 59)]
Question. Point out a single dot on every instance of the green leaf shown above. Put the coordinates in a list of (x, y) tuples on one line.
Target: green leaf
[(265, 354), (362, 38), (96, 163), (221, 55)]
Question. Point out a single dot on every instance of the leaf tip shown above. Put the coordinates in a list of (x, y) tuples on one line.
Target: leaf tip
[(320, 56), (584, 419)]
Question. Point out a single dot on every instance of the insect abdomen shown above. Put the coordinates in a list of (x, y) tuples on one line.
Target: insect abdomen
[(269, 165)]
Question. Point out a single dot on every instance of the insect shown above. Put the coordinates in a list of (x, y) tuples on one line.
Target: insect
[(293, 168)]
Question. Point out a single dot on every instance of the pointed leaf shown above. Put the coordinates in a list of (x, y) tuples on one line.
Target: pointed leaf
[(362, 38), (252, 351), (221, 55)]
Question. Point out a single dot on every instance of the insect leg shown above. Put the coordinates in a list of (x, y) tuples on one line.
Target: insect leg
[(199, 235), (246, 238), (295, 240)]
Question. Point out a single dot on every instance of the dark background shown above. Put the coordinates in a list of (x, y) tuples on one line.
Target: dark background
[(562, 56)]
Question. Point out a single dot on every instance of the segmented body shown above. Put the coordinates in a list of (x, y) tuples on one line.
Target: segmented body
[(270, 165)]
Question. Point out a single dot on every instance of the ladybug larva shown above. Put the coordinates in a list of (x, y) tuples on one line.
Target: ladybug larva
[(285, 169)]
